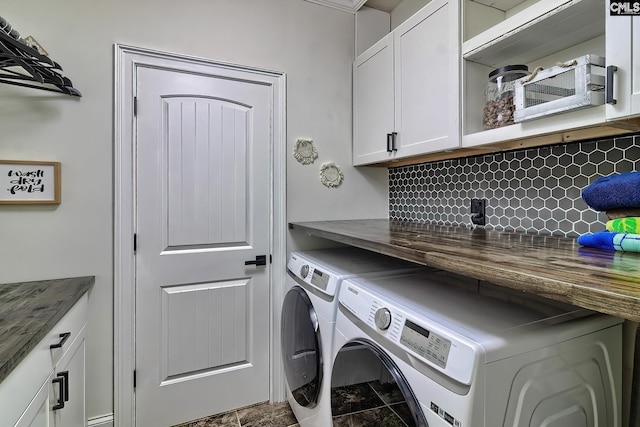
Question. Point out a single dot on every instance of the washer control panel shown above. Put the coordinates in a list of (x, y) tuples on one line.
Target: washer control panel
[(415, 333), (427, 344)]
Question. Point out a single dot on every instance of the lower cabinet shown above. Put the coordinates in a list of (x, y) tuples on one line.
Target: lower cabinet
[(57, 398), (37, 413), (68, 408)]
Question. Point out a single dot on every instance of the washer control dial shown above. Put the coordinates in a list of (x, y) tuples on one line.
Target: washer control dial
[(383, 318), (304, 271)]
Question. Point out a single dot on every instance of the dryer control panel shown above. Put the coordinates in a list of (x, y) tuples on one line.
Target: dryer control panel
[(310, 274)]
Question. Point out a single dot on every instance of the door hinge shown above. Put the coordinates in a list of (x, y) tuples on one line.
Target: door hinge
[(270, 259), (134, 378), (135, 106), (135, 242)]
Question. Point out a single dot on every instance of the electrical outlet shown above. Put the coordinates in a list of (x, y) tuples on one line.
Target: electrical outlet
[(478, 211)]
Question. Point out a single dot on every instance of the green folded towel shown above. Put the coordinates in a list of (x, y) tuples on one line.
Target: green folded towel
[(624, 225)]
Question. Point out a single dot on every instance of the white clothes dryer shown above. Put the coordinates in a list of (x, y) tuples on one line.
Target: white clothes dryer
[(465, 355), (308, 320)]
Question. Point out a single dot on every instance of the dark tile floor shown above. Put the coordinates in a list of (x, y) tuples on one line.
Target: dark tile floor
[(370, 404), (262, 415), (359, 405)]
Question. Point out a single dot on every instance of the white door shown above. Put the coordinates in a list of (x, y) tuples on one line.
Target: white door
[(202, 210)]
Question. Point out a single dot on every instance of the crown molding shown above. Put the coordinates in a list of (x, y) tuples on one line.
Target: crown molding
[(350, 6)]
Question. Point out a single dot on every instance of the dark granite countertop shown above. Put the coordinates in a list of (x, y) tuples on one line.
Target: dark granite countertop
[(552, 267), (29, 310)]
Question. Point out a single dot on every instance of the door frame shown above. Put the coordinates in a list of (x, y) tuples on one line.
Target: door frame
[(126, 59)]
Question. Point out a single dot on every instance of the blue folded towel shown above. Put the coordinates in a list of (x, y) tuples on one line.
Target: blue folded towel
[(613, 192), (613, 241)]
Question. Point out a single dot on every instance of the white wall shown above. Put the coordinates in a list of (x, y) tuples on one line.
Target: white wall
[(313, 44), (371, 26)]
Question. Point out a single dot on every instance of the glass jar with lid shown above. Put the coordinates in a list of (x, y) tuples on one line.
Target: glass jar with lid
[(499, 106)]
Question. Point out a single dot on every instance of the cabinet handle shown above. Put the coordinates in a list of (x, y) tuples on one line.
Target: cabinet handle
[(608, 98), (63, 338), (389, 143), (393, 141), (65, 376), (60, 382)]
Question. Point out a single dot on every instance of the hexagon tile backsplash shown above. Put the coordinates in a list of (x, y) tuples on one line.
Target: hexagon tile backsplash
[(533, 190)]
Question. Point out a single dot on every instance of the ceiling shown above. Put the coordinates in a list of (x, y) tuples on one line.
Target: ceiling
[(384, 5), (353, 5)]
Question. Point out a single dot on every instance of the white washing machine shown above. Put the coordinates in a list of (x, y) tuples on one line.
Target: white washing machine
[(308, 320), (468, 356)]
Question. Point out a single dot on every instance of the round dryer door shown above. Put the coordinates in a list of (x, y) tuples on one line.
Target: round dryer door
[(301, 352)]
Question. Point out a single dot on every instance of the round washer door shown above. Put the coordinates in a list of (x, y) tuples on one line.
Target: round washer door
[(412, 414), (301, 351)]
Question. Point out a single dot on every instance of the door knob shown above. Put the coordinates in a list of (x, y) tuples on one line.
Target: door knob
[(260, 260)]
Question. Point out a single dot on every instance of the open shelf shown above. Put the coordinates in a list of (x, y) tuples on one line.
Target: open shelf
[(552, 124), (533, 33), (540, 30)]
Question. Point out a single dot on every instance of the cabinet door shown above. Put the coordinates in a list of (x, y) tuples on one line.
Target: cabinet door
[(37, 413), (72, 368), (623, 51), (427, 80), (373, 103)]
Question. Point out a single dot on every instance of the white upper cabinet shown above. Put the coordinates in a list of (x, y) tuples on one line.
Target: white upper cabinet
[(623, 53), (542, 33), (406, 88), (373, 103)]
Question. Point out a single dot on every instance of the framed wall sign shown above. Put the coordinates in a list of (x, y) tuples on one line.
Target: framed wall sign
[(29, 182)]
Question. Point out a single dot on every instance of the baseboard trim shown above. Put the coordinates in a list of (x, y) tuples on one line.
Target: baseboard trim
[(101, 421)]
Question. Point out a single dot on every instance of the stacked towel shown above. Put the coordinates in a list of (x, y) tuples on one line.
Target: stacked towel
[(614, 241), (624, 225), (613, 192), (622, 213), (619, 196)]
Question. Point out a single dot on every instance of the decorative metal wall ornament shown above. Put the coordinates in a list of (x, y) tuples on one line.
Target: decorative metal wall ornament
[(331, 175), (305, 152)]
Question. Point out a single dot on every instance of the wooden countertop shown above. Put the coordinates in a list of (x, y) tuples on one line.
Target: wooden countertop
[(553, 267), (29, 310)]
